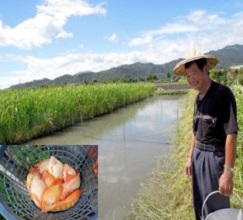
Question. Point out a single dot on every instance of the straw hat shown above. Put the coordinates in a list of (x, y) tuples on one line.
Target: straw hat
[(194, 54)]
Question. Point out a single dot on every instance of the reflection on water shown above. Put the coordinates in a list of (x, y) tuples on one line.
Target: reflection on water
[(129, 140)]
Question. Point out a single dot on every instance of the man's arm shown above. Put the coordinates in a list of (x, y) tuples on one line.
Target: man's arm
[(226, 179), (188, 167)]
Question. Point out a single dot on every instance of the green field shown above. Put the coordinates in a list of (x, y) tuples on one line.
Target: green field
[(29, 113)]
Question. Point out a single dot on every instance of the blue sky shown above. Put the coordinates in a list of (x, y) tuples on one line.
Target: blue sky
[(49, 38)]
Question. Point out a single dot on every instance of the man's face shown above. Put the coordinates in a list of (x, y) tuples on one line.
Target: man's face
[(196, 77)]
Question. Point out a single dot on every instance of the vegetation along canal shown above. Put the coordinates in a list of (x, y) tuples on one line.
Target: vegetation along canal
[(130, 140)]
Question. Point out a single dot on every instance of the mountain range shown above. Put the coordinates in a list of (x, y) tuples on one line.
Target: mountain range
[(228, 56)]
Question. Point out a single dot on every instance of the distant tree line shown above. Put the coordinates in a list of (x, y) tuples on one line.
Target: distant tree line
[(129, 79)]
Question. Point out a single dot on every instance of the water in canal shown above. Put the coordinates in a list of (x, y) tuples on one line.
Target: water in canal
[(130, 140)]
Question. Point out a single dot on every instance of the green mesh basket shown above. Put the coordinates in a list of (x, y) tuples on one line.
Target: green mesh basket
[(15, 162)]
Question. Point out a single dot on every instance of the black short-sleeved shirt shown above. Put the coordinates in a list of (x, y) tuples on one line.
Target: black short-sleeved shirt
[(215, 115)]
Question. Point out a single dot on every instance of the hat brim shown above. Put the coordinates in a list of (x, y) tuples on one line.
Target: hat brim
[(179, 69)]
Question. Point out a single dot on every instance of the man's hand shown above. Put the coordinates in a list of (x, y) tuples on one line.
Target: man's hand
[(226, 183), (188, 167)]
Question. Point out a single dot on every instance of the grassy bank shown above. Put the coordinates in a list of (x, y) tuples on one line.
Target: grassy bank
[(167, 195), (238, 91), (29, 113), (172, 92), (172, 88)]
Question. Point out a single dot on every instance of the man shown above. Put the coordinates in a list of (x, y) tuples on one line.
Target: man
[(213, 145)]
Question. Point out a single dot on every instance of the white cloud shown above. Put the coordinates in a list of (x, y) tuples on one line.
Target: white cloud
[(167, 29), (204, 20), (112, 37), (76, 62), (66, 8), (64, 34), (48, 23), (206, 31), (175, 28), (146, 39)]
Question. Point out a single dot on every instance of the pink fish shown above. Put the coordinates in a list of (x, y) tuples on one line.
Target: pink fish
[(70, 185), (43, 165), (68, 172), (48, 178), (36, 188), (68, 202), (51, 197), (55, 168)]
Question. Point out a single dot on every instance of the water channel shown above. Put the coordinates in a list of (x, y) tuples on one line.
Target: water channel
[(130, 141)]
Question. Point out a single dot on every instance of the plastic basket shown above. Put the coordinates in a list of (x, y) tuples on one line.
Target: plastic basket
[(15, 162), (222, 214)]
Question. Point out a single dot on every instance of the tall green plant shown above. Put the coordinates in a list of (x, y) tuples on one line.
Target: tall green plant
[(28, 113), (238, 91)]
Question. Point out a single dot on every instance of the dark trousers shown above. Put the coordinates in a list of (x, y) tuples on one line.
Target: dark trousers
[(207, 167)]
